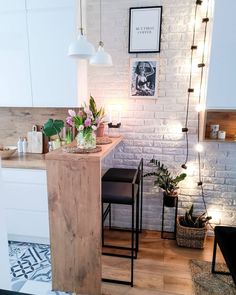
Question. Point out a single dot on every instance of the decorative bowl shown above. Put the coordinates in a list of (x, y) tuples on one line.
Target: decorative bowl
[(7, 151)]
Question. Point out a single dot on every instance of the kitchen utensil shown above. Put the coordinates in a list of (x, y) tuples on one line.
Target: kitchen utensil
[(35, 141)]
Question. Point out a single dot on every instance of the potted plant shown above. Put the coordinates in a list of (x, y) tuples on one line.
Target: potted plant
[(98, 115), (51, 128), (191, 230), (86, 125), (167, 182)]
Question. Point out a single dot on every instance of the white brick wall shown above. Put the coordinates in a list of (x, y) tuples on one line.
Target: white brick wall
[(153, 127)]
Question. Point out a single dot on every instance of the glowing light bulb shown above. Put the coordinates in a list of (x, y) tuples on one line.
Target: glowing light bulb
[(216, 216), (199, 147), (199, 108)]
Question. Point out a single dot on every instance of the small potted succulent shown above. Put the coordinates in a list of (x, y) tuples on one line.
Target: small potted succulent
[(167, 182), (191, 229)]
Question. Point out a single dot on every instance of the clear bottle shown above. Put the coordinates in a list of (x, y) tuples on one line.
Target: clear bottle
[(20, 145), (24, 145)]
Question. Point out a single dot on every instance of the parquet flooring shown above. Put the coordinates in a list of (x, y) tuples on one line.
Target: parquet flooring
[(162, 268)]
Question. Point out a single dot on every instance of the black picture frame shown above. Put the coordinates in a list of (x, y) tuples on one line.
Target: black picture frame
[(145, 29), (144, 78)]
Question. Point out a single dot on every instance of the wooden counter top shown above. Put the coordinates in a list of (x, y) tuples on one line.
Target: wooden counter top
[(25, 161), (37, 161), (63, 156)]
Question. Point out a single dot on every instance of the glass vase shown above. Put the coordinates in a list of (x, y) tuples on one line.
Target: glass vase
[(86, 139)]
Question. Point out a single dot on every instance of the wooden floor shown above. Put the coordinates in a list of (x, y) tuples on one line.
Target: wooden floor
[(162, 268)]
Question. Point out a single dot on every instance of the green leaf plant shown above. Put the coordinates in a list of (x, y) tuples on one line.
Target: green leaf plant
[(164, 179), (189, 220), (53, 127)]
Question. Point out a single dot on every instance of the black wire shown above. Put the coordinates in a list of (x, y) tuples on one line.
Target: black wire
[(199, 100), (191, 65), (190, 84), (81, 18)]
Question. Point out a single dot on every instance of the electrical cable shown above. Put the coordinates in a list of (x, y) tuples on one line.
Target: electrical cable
[(201, 65), (190, 89)]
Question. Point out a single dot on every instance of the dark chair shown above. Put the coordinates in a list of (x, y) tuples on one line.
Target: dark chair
[(124, 193), (126, 175), (225, 238)]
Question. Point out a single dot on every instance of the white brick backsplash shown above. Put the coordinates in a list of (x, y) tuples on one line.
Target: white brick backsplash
[(153, 127)]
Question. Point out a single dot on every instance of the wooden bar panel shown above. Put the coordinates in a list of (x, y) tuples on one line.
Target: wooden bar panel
[(74, 192), (75, 230)]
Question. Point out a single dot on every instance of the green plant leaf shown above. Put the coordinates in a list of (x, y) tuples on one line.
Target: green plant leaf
[(52, 127)]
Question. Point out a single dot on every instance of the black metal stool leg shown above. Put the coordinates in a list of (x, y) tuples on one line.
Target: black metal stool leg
[(102, 225), (141, 202), (214, 257), (176, 212), (110, 216), (137, 228), (132, 248), (162, 223)]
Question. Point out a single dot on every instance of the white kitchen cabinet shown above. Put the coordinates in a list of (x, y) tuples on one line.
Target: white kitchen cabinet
[(52, 4), (34, 67), (11, 5), (26, 204), (221, 77), (54, 74), (15, 84)]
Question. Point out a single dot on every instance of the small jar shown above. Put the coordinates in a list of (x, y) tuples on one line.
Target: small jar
[(221, 135), (20, 145), (24, 145)]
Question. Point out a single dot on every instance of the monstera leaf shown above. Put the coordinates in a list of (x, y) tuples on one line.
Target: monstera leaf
[(53, 127)]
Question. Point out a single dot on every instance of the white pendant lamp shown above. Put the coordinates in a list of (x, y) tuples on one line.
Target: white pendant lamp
[(101, 58), (81, 48)]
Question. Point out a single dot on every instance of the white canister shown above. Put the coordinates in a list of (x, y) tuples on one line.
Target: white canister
[(214, 131), (221, 135)]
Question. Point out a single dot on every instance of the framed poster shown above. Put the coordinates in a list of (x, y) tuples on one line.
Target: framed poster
[(143, 77), (145, 29)]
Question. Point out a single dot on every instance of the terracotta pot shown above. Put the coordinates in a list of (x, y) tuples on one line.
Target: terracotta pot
[(100, 130), (169, 200)]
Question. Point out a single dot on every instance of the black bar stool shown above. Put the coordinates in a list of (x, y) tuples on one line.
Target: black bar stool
[(123, 193), (225, 238), (126, 175)]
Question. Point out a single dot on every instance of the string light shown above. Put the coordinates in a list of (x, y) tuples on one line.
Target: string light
[(194, 65), (199, 107), (199, 147)]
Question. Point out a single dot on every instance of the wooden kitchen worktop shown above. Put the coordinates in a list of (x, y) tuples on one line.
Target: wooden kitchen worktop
[(25, 161), (63, 156), (37, 161)]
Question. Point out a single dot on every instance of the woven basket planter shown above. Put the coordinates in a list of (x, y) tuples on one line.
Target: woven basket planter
[(190, 237)]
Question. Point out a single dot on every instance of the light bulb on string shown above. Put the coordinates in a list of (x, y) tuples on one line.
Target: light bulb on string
[(199, 107), (196, 22), (199, 148)]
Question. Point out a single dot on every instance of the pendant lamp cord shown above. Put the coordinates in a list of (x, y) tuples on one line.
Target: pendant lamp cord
[(100, 41), (81, 19)]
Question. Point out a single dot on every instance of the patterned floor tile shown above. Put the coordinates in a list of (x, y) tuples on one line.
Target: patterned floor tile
[(30, 262)]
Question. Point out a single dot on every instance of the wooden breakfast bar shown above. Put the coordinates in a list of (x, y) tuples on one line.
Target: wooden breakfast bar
[(74, 194)]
